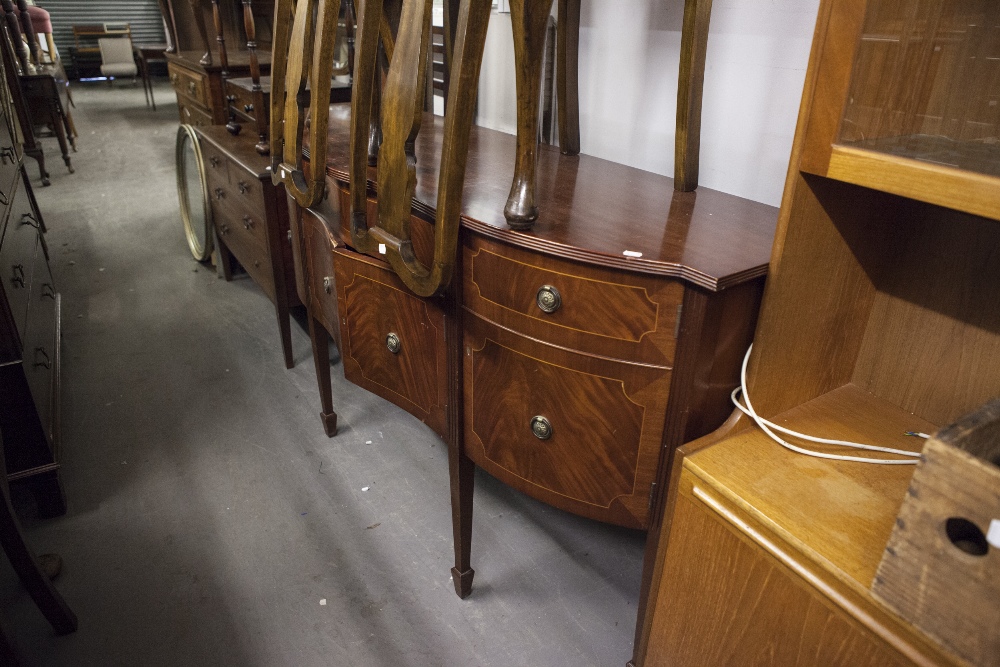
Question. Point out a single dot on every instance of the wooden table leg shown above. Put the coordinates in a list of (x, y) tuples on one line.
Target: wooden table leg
[(529, 19), (320, 338)]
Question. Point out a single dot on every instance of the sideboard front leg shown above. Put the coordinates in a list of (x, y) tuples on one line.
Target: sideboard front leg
[(529, 19), (320, 339)]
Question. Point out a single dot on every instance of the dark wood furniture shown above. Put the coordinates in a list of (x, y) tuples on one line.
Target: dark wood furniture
[(31, 569), (47, 97), (200, 94), (29, 328), (251, 221), (879, 318)]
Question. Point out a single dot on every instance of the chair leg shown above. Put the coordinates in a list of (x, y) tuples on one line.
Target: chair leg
[(29, 570)]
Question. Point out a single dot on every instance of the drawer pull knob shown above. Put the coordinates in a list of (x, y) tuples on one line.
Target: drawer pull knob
[(219, 193), (393, 343), (243, 187), (45, 362), (173, 77), (192, 86), (541, 428), (18, 275), (214, 161), (223, 229), (247, 222), (247, 108), (548, 299), (328, 287), (289, 236)]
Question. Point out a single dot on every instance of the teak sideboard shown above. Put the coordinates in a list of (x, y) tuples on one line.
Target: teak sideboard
[(570, 361), (880, 317)]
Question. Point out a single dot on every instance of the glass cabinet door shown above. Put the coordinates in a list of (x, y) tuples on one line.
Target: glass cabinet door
[(925, 83)]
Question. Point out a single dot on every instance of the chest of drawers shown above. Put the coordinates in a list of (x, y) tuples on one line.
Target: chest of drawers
[(201, 94), (251, 221), (29, 345)]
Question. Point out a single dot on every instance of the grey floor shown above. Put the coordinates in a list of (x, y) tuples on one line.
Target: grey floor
[(210, 518)]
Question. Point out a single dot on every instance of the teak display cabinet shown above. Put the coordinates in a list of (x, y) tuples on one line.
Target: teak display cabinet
[(879, 317)]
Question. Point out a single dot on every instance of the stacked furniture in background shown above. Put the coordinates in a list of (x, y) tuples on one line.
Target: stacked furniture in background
[(570, 361), (881, 318)]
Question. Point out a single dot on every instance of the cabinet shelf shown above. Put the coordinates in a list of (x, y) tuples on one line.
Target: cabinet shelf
[(837, 513), (934, 182)]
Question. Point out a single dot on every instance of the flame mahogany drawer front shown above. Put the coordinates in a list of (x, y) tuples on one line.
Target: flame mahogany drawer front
[(392, 342), (577, 431), (598, 311)]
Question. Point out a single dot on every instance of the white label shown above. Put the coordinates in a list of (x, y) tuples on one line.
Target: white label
[(993, 534), (381, 248), (631, 253)]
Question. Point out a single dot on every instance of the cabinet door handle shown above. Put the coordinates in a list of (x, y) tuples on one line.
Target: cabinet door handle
[(541, 427), (17, 275), (243, 187), (45, 362), (247, 222), (48, 291), (219, 193), (548, 299), (392, 342), (29, 219)]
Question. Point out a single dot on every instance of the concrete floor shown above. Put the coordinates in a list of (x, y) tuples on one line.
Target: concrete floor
[(209, 516)]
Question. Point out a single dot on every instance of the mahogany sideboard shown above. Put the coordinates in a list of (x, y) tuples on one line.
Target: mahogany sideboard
[(570, 361)]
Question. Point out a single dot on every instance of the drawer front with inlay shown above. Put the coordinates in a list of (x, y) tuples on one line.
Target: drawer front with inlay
[(577, 431), (396, 349), (17, 254), (599, 311)]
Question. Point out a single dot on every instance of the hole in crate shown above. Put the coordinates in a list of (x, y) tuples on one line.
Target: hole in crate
[(966, 536)]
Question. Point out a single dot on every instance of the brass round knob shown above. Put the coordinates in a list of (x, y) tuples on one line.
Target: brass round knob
[(548, 299), (393, 343), (541, 427)]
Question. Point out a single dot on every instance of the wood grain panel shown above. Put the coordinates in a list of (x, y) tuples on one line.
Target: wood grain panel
[(724, 602), (612, 310), (594, 209), (606, 417), (415, 378), (933, 341), (604, 312)]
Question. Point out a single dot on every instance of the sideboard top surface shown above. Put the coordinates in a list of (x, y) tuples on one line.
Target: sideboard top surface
[(237, 59), (239, 148), (591, 210)]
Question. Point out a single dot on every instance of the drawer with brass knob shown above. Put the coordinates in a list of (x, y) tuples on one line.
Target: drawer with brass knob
[(396, 350), (588, 308), (577, 431)]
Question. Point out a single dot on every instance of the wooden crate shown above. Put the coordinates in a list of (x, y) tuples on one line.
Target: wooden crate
[(941, 567)]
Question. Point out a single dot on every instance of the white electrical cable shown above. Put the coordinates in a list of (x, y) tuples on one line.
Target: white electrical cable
[(766, 426)]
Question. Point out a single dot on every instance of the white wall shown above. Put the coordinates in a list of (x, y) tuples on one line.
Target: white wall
[(629, 52)]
